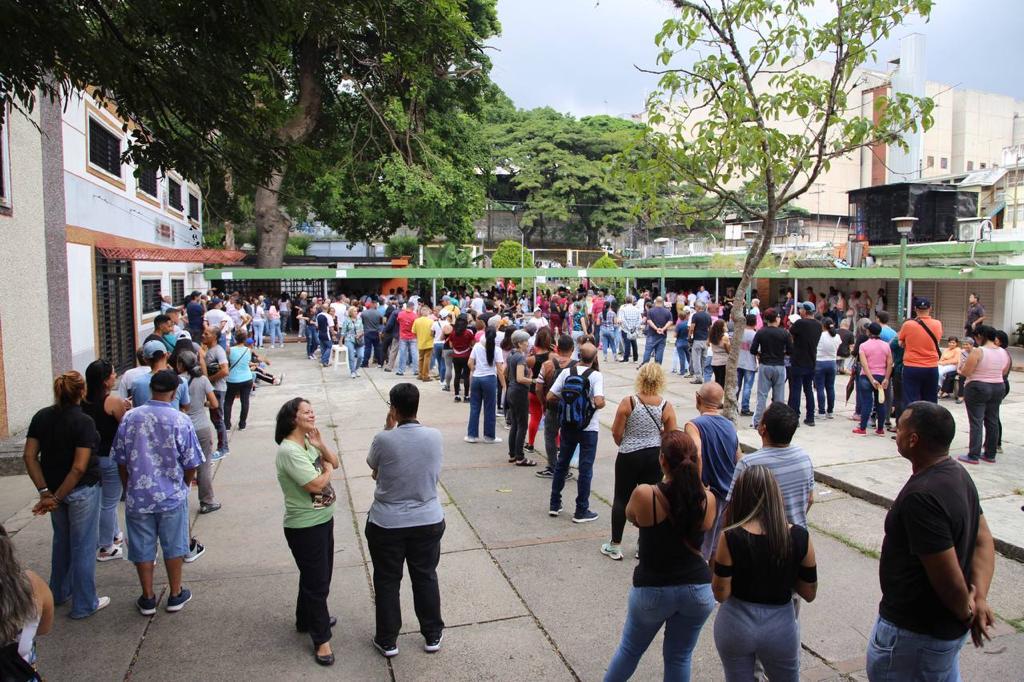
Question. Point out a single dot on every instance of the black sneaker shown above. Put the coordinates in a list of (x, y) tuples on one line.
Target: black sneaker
[(546, 472), (196, 549), (746, 413), (528, 448), (433, 644), (458, 399), (585, 517), (146, 605), (209, 508), (386, 650)]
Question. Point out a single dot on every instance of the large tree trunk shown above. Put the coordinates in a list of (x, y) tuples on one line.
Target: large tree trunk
[(229, 226), (754, 257), (272, 225)]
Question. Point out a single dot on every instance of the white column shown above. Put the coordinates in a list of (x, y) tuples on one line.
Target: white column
[(910, 298)]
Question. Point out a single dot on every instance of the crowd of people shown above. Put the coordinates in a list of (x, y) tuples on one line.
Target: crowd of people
[(714, 525)]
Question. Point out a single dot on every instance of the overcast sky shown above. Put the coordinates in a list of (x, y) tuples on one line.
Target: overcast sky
[(577, 56)]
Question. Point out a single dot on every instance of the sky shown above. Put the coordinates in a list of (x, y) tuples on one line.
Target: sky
[(578, 56)]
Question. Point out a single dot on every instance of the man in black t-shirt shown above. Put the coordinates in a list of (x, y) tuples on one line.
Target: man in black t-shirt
[(937, 560), (771, 345), (700, 326), (805, 332)]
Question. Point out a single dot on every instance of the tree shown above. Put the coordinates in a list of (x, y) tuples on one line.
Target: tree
[(254, 96), (721, 114), (511, 254)]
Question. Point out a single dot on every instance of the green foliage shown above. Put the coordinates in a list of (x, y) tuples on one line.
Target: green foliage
[(448, 256), (511, 254), (604, 262), (360, 112), (726, 261), (559, 170), (297, 245), (400, 246)]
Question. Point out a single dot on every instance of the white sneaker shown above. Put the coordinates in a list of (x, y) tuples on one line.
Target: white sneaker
[(471, 439), (492, 441), (102, 603), (109, 554)]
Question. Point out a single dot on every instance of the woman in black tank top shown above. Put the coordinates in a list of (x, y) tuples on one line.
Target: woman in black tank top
[(672, 583), (542, 344), (106, 411)]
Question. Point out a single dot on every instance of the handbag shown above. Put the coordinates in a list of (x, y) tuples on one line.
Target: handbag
[(650, 414)]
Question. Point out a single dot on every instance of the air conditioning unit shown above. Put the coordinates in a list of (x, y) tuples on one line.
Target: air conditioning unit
[(968, 229)]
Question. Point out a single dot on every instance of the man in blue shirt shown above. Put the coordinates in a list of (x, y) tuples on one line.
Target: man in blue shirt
[(888, 333), (659, 319), (155, 355), (157, 452)]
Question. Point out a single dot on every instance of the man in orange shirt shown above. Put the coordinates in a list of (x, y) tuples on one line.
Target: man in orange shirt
[(919, 337)]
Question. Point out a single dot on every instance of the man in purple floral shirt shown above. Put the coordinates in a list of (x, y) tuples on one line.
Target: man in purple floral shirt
[(158, 452)]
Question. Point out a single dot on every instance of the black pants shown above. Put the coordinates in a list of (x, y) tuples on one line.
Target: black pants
[(419, 547), (627, 345), (551, 423), (519, 419), (719, 372), (802, 378), (461, 369), (631, 469), (242, 390), (313, 549)]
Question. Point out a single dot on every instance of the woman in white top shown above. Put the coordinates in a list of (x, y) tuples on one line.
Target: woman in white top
[(26, 610), (825, 367), (259, 318), (985, 371), (487, 367)]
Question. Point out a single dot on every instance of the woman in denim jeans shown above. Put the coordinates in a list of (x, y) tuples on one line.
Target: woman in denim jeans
[(672, 582), (825, 367), (352, 338), (106, 410), (610, 331), (60, 459)]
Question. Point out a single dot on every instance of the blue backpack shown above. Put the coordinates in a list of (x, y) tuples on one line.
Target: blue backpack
[(576, 408)]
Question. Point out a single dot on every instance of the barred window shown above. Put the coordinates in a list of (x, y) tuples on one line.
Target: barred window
[(174, 194), (104, 148), (147, 181)]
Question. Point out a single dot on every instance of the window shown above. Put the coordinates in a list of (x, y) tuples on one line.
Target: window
[(5, 170), (193, 207), (177, 291), (174, 194), (983, 165), (150, 296), (931, 162), (147, 181), (104, 148), (970, 165), (944, 163)]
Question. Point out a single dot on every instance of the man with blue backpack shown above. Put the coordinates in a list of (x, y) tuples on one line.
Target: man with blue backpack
[(578, 392)]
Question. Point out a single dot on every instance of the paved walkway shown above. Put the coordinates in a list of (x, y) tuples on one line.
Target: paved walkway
[(525, 596)]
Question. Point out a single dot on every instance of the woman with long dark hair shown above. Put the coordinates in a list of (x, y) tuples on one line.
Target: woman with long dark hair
[(984, 373), (60, 457), (304, 467), (825, 367), (26, 611), (671, 584), (720, 345), (761, 562), (106, 411), (543, 344), (461, 342), (487, 365), (240, 379)]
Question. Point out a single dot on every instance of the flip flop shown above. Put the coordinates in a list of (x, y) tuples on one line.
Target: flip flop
[(525, 463)]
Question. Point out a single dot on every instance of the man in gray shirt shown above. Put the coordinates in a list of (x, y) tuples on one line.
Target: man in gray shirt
[(789, 463), (406, 522), (372, 321)]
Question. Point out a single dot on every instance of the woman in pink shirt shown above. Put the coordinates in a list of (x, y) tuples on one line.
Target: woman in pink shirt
[(984, 371), (876, 369)]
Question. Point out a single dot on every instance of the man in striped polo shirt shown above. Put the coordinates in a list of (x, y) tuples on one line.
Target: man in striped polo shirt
[(789, 463)]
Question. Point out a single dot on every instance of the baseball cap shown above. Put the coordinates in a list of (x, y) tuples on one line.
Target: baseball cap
[(163, 381), (808, 306), (922, 303), (184, 335), (153, 349), (444, 314)]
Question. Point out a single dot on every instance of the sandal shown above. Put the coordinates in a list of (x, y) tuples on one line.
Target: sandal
[(525, 462)]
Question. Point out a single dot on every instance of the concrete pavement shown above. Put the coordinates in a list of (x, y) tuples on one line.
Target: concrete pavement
[(525, 596)]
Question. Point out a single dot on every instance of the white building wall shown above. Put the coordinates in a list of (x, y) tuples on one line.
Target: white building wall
[(81, 305), (28, 377)]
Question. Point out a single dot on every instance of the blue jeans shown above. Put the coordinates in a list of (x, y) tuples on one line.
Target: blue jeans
[(683, 609), (312, 339), (257, 333), (274, 329), (683, 355), (372, 348), (802, 379), (325, 350), (746, 378), (610, 341), (769, 378), (867, 397), (407, 354), (708, 374), (169, 528), (353, 356), (895, 654), (746, 632), (73, 559), (437, 356), (110, 484), (482, 392), (655, 347), (825, 385), (920, 383), (587, 442)]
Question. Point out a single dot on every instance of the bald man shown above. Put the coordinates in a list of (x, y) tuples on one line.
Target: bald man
[(719, 447)]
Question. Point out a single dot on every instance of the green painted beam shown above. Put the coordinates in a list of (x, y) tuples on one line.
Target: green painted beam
[(982, 272), (950, 249)]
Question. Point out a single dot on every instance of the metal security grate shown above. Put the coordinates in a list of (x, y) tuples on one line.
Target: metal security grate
[(115, 312), (148, 182), (174, 194), (104, 148), (178, 291)]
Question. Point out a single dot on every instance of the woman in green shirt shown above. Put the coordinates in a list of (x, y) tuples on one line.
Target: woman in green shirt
[(304, 467)]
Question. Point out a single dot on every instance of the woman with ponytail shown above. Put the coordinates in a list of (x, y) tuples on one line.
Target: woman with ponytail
[(672, 583), (106, 411), (487, 365), (761, 563), (60, 457)]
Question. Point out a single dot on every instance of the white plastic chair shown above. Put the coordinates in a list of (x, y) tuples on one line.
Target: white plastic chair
[(337, 353)]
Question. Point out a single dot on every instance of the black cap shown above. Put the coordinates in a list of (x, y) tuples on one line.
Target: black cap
[(922, 303), (164, 381)]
